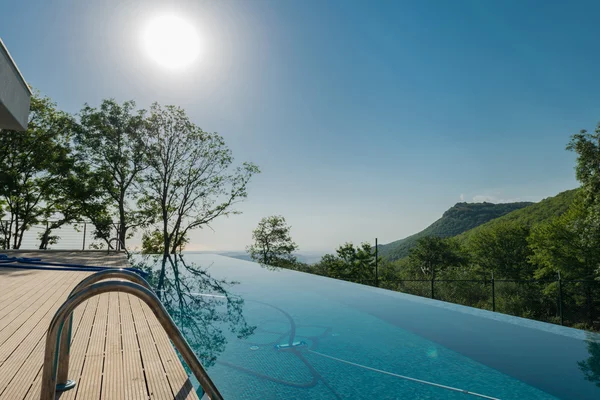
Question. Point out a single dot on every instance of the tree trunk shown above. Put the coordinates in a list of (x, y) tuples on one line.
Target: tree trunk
[(20, 237), (122, 227), (122, 230), (45, 239), (161, 278), (16, 235)]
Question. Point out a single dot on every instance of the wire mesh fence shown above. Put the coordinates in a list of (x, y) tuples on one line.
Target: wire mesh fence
[(566, 302), (73, 236)]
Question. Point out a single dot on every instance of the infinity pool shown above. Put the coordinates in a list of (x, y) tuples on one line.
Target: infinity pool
[(279, 334)]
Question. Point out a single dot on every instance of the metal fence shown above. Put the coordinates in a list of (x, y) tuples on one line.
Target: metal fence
[(72, 236), (559, 301)]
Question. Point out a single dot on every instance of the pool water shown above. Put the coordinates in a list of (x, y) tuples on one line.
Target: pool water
[(342, 340)]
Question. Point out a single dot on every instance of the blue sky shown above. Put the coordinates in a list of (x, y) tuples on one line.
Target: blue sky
[(368, 119)]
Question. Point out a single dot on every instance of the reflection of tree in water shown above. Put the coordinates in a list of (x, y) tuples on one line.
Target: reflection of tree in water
[(200, 305), (591, 366)]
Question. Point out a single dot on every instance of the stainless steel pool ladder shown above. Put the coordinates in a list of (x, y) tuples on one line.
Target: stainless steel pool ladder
[(58, 340)]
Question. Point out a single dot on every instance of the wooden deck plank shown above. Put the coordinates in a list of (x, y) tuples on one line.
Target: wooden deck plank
[(28, 323), (13, 286), (12, 357), (119, 350), (112, 384), (79, 345), (91, 377), (132, 360), (32, 366), (178, 379), (18, 304), (156, 379), (28, 288)]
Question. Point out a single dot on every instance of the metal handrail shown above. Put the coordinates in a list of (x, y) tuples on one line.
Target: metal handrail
[(64, 383), (53, 337)]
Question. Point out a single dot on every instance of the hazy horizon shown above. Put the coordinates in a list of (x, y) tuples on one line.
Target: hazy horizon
[(367, 119)]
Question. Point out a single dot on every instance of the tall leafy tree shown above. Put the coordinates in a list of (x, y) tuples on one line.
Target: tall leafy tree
[(273, 246), (587, 146), (110, 140), (75, 194), (432, 255), (503, 249), (569, 244), (191, 179), (153, 243), (352, 263), (33, 164)]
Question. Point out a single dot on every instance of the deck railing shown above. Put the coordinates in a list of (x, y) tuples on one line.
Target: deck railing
[(79, 235)]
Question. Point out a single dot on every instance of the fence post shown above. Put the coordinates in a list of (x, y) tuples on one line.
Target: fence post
[(376, 265), (560, 305), (84, 230), (432, 288), (493, 293)]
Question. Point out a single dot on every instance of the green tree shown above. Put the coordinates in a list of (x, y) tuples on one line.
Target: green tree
[(563, 244), (432, 255), (503, 250), (356, 264), (567, 244), (76, 194), (190, 180), (110, 140), (153, 243), (587, 170), (273, 246), (33, 164)]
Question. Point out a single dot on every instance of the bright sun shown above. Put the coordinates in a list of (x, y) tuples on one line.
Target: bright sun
[(171, 41)]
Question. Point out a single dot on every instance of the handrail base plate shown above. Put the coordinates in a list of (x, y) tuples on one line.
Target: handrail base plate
[(61, 387)]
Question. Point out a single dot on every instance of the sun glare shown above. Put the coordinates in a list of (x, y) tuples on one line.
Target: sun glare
[(171, 41)]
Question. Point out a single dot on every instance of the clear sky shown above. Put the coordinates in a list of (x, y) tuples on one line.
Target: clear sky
[(368, 118)]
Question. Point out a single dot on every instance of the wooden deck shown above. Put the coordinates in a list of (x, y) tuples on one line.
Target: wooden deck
[(118, 351)]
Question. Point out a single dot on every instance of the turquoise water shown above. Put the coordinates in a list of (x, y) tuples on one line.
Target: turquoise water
[(363, 342)]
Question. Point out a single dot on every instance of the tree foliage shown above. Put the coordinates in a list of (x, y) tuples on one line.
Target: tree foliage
[(273, 246), (534, 214), (567, 244), (503, 250), (35, 170), (460, 218), (190, 180), (153, 243), (351, 263), (587, 170), (109, 140), (432, 255)]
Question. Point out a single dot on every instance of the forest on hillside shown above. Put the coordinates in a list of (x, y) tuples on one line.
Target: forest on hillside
[(539, 261), (462, 217)]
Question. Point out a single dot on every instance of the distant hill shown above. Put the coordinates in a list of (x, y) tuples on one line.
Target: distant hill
[(458, 219), (538, 212)]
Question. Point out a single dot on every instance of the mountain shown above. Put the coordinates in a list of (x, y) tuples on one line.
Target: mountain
[(460, 218), (542, 211)]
